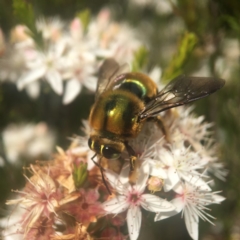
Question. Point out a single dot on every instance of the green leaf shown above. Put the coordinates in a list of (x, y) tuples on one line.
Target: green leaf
[(233, 23), (80, 174), (140, 59), (25, 15), (185, 48), (84, 17)]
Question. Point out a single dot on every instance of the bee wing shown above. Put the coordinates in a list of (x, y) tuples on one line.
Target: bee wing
[(180, 91), (108, 71)]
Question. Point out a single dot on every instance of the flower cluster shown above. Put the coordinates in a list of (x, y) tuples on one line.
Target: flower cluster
[(174, 166), (69, 56), (66, 198), (30, 141), (163, 7)]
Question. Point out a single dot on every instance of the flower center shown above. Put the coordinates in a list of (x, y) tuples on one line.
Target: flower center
[(84, 206), (134, 198)]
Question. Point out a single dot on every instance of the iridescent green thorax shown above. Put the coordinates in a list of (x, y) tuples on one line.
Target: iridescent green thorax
[(116, 112), (140, 85), (135, 87)]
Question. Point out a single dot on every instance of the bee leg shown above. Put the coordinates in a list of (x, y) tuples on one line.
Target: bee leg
[(101, 170), (133, 164), (160, 123), (132, 156)]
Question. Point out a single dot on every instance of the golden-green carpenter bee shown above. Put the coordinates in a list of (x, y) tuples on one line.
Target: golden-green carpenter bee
[(125, 101)]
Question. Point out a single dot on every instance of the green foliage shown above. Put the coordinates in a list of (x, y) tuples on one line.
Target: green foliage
[(25, 15), (140, 59), (80, 174), (233, 23), (185, 48), (84, 17)]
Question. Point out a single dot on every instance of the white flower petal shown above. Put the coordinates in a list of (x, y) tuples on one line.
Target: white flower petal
[(90, 163), (33, 89), (191, 221), (111, 177), (178, 204), (167, 185), (173, 175), (166, 157), (73, 88), (59, 48), (134, 219), (124, 175), (163, 215), (156, 74), (153, 203), (142, 177), (178, 188), (171, 180), (55, 80), (116, 205), (156, 169), (196, 181), (116, 181), (30, 77), (217, 198), (91, 83), (158, 172)]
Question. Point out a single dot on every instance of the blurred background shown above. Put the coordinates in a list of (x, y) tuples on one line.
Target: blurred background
[(164, 38)]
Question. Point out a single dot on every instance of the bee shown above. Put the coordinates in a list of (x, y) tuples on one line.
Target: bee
[(126, 100)]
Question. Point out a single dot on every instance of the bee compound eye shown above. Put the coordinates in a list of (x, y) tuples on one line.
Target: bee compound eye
[(94, 145), (110, 153), (90, 143)]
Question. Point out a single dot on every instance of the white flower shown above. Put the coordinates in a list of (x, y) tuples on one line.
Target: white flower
[(51, 29), (27, 140), (193, 202), (213, 166), (192, 128), (11, 224), (177, 164), (12, 65), (227, 63), (79, 73), (111, 39), (163, 7), (155, 74), (131, 198), (40, 198), (46, 65), (70, 54)]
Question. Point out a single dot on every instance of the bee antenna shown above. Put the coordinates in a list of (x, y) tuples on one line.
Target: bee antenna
[(101, 170), (92, 158)]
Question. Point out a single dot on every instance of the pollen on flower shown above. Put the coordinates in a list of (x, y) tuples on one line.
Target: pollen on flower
[(155, 184), (40, 197)]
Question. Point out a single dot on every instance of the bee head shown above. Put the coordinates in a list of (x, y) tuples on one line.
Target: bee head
[(110, 149)]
